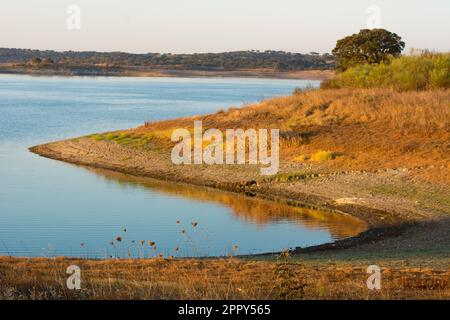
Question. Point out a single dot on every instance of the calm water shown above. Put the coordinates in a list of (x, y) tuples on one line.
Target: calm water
[(52, 208)]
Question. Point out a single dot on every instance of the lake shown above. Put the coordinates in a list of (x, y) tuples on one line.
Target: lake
[(50, 208)]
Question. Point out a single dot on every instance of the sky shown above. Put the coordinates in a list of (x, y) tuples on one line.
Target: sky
[(187, 26)]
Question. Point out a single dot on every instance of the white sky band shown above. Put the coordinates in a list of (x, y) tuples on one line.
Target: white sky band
[(181, 26)]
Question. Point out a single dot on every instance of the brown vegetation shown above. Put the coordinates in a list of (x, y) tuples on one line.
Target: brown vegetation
[(213, 279), (368, 129)]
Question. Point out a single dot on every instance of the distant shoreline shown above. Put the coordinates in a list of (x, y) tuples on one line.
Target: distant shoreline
[(169, 73)]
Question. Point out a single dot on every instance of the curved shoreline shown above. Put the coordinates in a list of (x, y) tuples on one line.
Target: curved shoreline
[(385, 178), (376, 230)]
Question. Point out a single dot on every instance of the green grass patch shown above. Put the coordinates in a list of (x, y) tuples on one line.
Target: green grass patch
[(290, 176), (125, 138)]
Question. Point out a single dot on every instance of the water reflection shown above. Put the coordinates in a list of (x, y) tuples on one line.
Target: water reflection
[(247, 209)]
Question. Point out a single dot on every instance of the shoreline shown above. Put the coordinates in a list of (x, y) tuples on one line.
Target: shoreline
[(330, 271), (403, 197), (381, 224), (307, 200), (171, 73)]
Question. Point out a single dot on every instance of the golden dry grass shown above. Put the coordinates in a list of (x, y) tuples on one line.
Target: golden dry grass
[(212, 279), (369, 129)]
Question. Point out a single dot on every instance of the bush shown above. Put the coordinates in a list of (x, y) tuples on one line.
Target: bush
[(416, 72)]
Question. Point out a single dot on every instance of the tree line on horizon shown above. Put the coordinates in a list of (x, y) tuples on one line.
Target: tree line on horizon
[(253, 59)]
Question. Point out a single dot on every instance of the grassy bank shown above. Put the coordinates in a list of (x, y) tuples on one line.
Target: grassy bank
[(331, 130)]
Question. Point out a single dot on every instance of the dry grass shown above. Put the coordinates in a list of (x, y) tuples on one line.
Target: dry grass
[(323, 156), (212, 279), (370, 129), (423, 110)]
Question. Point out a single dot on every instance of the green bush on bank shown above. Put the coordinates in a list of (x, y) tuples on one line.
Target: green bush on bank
[(414, 72)]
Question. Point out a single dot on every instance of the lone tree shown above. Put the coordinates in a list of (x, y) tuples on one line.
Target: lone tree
[(367, 46)]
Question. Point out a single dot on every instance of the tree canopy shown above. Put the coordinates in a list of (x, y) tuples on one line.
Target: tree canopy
[(369, 46), (237, 60)]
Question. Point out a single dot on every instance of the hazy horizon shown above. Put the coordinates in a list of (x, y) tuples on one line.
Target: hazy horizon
[(200, 26)]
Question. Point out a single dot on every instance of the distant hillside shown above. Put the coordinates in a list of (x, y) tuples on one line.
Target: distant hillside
[(226, 61)]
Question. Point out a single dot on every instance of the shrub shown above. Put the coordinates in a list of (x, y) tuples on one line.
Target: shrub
[(415, 72)]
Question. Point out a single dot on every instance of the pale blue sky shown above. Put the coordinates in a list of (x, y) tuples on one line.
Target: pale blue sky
[(184, 26)]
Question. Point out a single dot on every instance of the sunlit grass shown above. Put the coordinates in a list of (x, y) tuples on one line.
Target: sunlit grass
[(323, 156)]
